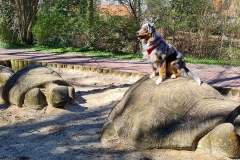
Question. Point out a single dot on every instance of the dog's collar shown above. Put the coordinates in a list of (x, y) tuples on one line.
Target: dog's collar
[(149, 51)]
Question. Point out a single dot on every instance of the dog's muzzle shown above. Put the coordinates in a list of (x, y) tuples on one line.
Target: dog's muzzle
[(137, 33)]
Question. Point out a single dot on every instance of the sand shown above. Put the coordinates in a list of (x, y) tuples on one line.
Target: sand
[(74, 132)]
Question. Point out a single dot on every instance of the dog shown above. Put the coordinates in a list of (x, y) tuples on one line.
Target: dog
[(163, 56)]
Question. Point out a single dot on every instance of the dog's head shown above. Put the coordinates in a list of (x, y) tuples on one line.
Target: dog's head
[(146, 31)]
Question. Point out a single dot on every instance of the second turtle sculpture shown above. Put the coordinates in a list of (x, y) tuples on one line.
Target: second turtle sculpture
[(36, 86)]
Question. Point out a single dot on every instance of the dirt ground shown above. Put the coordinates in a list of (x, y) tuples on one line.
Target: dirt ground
[(74, 132)]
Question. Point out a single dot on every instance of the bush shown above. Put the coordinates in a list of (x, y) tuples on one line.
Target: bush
[(111, 33), (114, 33), (6, 33), (55, 30), (57, 24)]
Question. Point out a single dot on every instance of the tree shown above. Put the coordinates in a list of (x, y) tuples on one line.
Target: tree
[(135, 7), (20, 16), (90, 9), (26, 14)]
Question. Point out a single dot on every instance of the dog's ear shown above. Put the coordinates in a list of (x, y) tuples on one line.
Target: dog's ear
[(143, 22), (151, 27)]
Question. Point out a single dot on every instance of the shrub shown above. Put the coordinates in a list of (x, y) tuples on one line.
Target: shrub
[(114, 33), (6, 33), (57, 24)]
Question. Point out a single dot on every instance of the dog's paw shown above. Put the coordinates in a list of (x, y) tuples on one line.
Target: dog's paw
[(173, 76), (152, 75), (159, 81)]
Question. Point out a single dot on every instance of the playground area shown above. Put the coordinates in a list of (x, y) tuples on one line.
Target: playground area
[(74, 132)]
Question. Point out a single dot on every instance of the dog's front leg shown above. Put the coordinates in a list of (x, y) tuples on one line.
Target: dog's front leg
[(155, 65), (162, 71)]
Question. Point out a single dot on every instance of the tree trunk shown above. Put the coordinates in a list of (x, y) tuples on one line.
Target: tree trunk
[(90, 12), (26, 14)]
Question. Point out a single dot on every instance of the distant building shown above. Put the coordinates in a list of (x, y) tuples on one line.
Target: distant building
[(229, 8), (113, 8)]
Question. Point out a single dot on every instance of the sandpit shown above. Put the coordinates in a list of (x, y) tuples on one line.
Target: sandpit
[(74, 132)]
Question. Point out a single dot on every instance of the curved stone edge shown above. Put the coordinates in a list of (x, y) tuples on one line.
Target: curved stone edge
[(17, 64)]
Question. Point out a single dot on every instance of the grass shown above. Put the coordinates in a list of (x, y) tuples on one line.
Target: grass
[(212, 61), (70, 50), (122, 55), (89, 52)]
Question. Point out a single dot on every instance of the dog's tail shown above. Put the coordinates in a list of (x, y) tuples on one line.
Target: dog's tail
[(194, 75)]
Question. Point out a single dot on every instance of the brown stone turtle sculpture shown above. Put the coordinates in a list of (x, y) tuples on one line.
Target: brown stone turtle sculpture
[(36, 86), (178, 114)]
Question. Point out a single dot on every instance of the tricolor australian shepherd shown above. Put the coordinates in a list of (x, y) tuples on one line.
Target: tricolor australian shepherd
[(164, 57)]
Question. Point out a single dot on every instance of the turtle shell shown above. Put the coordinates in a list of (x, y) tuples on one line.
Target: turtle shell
[(34, 76), (173, 115)]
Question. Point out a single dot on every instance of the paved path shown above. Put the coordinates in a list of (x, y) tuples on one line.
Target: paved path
[(218, 76)]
